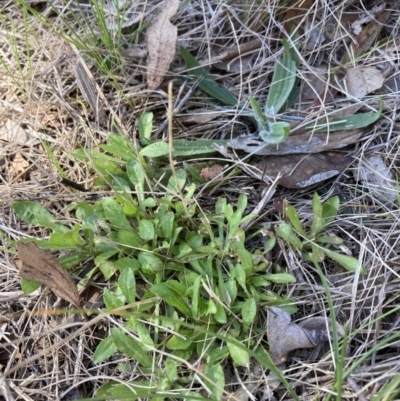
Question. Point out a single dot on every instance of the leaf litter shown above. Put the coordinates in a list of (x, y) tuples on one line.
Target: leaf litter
[(160, 41), (38, 265)]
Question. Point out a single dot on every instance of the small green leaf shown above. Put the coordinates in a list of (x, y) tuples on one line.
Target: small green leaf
[(246, 261), (146, 230), (171, 297), (37, 215), (127, 263), (28, 286), (131, 347), (104, 350), (348, 262), (207, 83), (331, 239), (111, 300), (286, 232), (167, 224), (156, 149), (276, 132), (180, 341), (260, 117), (249, 310), (280, 278), (136, 175), (127, 285), (184, 147), (145, 125), (216, 382), (330, 209), (316, 225), (174, 186), (292, 215), (118, 146), (240, 356), (150, 262), (115, 214), (220, 314)]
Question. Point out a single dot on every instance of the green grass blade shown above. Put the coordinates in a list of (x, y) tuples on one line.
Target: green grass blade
[(207, 83)]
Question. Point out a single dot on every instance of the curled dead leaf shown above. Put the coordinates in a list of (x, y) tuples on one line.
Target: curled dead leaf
[(37, 265), (160, 41), (209, 173), (285, 336)]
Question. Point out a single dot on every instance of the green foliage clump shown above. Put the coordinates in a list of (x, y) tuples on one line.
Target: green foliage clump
[(183, 277)]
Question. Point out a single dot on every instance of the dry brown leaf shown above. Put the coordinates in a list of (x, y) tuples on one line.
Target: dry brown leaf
[(365, 39), (209, 173), (160, 41), (363, 80), (285, 336), (301, 170), (11, 131), (377, 177), (297, 143), (37, 265), (296, 10), (18, 166)]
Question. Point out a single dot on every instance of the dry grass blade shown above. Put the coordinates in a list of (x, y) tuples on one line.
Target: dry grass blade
[(37, 265)]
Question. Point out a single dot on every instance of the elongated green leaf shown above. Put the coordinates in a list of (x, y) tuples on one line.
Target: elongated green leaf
[(240, 356), (182, 341), (260, 117), (167, 224), (128, 391), (183, 147), (156, 149), (207, 83), (171, 297), (316, 225), (37, 215), (145, 125), (330, 239), (330, 209), (131, 347), (355, 121), (280, 278), (292, 215), (127, 284), (283, 81), (249, 310), (118, 146), (286, 232), (104, 350), (348, 262)]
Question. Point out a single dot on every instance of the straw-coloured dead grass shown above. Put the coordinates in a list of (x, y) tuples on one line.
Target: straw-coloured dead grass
[(67, 81)]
